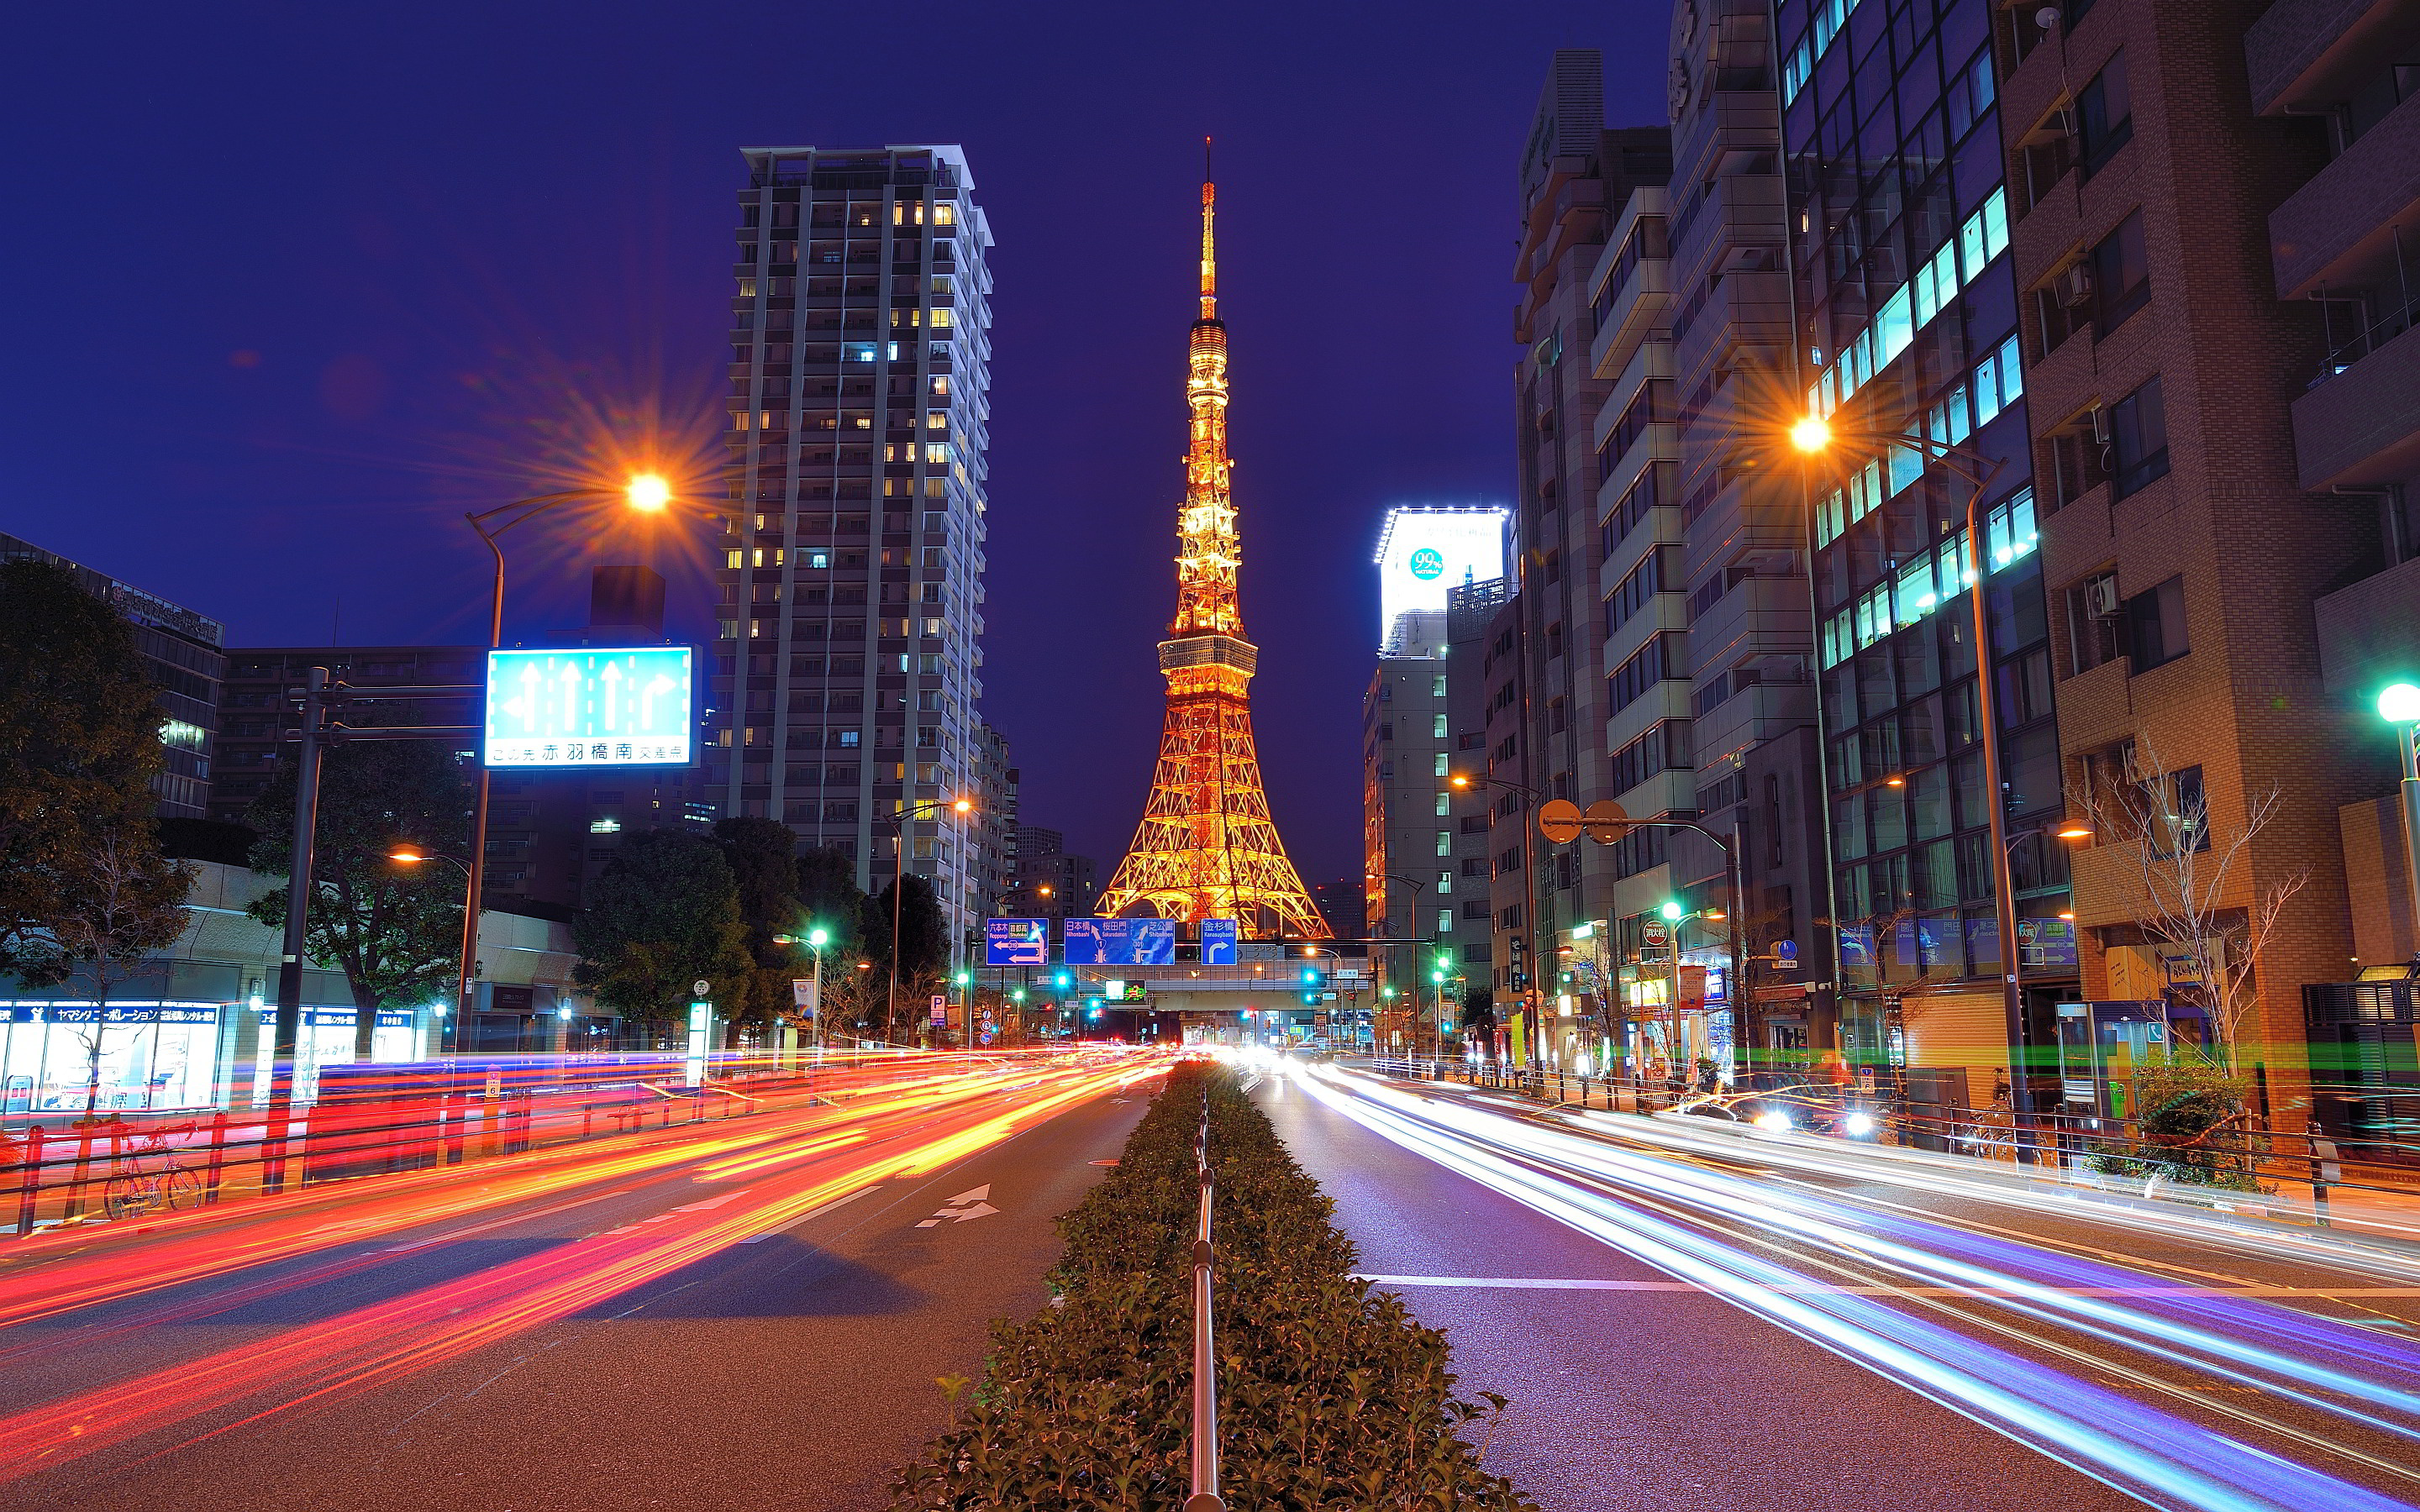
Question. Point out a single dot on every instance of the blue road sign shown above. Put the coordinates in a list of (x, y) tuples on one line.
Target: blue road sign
[(1219, 942), (1016, 942), (629, 706)]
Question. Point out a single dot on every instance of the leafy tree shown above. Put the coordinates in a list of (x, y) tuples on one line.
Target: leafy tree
[(1479, 1011), (663, 913), (761, 854), (830, 899), (923, 950), (79, 746), (395, 930)]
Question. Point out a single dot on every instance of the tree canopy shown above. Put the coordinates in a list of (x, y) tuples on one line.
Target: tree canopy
[(83, 884), (395, 929), (664, 913)]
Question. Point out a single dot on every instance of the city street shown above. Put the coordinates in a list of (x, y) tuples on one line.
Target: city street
[(1683, 1312), (747, 1313)]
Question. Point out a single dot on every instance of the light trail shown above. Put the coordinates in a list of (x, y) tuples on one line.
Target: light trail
[(358, 1351), (1745, 1240), (64, 1270)]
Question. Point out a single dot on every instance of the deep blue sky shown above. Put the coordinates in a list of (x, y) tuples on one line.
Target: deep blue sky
[(288, 287)]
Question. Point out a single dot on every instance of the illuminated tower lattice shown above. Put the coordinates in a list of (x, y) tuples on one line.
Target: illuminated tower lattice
[(1206, 847)]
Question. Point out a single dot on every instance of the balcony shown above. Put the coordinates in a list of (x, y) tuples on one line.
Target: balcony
[(1634, 316), (2361, 424), (2344, 218)]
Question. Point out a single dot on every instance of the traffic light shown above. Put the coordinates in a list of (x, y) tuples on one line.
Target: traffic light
[(1016, 995), (1060, 981)]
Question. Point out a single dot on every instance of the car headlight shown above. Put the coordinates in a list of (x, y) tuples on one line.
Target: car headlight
[(1858, 1123), (1774, 1121)]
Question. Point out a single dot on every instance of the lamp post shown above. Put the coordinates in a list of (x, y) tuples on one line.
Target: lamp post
[(1529, 798), (409, 855), (898, 822), (2399, 705), (1814, 437), (647, 494)]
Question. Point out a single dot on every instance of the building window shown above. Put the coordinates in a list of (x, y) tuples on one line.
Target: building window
[(2094, 616), (1444, 921), (1436, 691), (1444, 805), (1445, 841), (1440, 764), (2121, 274), (2138, 438), (2155, 625), (2104, 114)]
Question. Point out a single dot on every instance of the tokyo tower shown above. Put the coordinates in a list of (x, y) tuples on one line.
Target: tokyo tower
[(1206, 847)]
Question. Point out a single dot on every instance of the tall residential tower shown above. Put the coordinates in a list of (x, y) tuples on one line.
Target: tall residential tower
[(846, 678)]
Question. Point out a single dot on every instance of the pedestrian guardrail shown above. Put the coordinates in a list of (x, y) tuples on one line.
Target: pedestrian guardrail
[(2047, 1141), (390, 1119), (1205, 1497)]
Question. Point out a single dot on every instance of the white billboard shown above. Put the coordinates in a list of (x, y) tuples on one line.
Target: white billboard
[(1424, 551)]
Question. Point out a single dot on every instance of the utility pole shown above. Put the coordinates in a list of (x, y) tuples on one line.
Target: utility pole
[(298, 918)]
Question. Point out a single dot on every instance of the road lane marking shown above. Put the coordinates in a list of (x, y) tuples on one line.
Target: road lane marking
[(772, 1233), (965, 1204), (499, 1223), (1834, 1288)]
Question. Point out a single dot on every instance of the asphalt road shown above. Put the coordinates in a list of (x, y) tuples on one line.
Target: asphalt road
[(733, 1319), (1725, 1322)]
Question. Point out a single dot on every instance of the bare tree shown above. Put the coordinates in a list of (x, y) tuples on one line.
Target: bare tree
[(2194, 896), (116, 904)]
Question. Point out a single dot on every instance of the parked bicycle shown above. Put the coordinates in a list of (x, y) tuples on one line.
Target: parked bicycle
[(149, 1178)]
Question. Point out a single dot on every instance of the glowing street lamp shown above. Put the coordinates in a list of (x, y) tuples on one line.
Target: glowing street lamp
[(2399, 705)]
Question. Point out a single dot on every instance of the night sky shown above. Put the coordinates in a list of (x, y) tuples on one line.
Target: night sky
[(289, 287)]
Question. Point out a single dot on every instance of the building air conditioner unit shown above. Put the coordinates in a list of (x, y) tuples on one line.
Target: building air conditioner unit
[(2072, 287), (2100, 597), (2099, 425)]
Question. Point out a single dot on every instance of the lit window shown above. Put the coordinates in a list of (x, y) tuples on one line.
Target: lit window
[(857, 351), (1436, 688), (820, 560), (1440, 763), (607, 825), (732, 559), (1437, 727), (937, 454), (945, 213), (1444, 921), (932, 628)]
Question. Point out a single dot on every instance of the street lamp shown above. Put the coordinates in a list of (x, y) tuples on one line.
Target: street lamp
[(1813, 435), (2399, 705), (1528, 940), (644, 493), (898, 822)]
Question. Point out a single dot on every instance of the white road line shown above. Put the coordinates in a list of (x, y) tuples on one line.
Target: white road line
[(817, 1212)]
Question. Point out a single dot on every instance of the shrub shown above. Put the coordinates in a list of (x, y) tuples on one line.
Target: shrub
[(2191, 1114), (1329, 1396)]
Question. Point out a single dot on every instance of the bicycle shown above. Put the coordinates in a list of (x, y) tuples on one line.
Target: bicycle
[(133, 1189)]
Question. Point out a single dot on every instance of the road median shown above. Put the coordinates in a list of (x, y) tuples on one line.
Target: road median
[(1329, 1395)]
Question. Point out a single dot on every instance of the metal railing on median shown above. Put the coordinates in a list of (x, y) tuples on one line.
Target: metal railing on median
[(1206, 1496)]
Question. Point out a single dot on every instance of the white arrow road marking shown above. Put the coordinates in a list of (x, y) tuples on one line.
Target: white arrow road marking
[(964, 1206), (714, 1202)]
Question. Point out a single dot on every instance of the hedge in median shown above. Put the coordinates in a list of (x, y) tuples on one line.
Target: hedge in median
[(1329, 1396)]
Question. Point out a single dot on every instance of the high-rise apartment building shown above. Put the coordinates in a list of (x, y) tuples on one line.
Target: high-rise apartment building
[(1601, 638), (1721, 249), (1484, 700), (2211, 209), (1907, 311), (847, 672), (1409, 844), (1051, 882), (1424, 840), (181, 651)]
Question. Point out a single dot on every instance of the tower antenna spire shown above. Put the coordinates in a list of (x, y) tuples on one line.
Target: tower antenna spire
[(1209, 246)]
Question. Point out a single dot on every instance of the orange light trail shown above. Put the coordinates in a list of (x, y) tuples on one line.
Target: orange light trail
[(908, 1134)]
